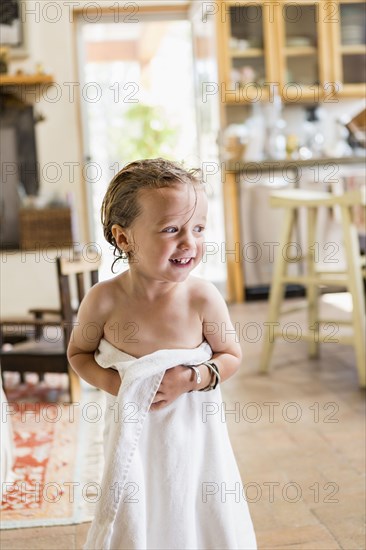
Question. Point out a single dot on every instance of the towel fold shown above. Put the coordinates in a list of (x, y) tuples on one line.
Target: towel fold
[(170, 476)]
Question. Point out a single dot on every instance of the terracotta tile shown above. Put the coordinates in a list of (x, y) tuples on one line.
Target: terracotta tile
[(314, 537), (56, 542), (350, 506), (349, 532), (33, 532), (81, 533)]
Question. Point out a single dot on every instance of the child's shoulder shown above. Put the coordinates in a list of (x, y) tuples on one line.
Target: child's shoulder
[(203, 290), (103, 296), (207, 298)]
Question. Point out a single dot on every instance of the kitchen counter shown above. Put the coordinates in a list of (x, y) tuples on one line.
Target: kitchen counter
[(232, 174)]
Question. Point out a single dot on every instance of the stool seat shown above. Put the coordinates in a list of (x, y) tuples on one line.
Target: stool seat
[(294, 198)]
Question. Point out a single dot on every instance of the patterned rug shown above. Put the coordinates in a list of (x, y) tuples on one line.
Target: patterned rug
[(58, 454)]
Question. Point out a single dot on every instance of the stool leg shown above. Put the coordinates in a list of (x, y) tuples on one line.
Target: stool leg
[(74, 386), (356, 288), (277, 290), (312, 289)]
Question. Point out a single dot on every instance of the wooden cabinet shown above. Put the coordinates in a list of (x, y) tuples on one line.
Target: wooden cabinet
[(311, 50), (248, 42), (347, 26), (301, 35)]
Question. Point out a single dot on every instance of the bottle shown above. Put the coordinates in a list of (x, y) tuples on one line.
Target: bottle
[(275, 142), (314, 136), (256, 135)]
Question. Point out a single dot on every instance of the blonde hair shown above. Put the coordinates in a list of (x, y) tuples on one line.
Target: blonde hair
[(120, 204)]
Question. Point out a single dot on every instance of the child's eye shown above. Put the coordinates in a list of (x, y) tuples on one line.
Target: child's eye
[(168, 230), (198, 228)]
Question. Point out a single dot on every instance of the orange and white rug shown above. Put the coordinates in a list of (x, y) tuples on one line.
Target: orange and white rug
[(58, 457)]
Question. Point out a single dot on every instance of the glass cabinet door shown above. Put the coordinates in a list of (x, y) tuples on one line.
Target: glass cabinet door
[(248, 44), (349, 40), (301, 39)]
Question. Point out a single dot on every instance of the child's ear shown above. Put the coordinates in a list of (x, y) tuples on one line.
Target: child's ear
[(120, 236)]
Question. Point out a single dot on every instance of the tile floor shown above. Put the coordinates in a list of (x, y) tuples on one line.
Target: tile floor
[(298, 435)]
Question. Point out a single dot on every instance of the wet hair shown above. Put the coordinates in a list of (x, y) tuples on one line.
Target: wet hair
[(121, 205)]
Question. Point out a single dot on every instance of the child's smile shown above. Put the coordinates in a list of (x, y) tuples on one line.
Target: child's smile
[(181, 262)]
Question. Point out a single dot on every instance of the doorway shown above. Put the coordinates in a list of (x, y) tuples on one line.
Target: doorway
[(138, 101)]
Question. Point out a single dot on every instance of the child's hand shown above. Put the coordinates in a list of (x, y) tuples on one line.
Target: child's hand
[(114, 381), (176, 381)]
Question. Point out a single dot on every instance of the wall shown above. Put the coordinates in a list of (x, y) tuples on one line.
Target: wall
[(27, 280)]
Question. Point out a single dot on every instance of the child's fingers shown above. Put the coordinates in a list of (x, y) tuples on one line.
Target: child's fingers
[(158, 405), (159, 396)]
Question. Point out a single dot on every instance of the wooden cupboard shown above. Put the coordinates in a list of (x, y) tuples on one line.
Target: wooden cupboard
[(245, 34), (310, 50), (348, 46)]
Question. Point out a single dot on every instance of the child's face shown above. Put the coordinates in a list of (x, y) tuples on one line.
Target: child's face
[(169, 228)]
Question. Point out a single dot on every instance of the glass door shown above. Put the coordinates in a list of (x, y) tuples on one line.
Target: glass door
[(302, 51), (248, 43), (349, 42), (208, 122), (137, 102)]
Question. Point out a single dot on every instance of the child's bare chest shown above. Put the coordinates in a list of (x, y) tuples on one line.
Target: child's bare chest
[(149, 329)]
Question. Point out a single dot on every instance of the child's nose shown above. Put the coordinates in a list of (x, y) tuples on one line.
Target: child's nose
[(187, 242)]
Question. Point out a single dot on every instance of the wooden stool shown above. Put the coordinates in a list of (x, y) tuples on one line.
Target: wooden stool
[(291, 201)]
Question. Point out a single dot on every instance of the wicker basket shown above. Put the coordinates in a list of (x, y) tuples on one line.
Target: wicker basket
[(46, 227)]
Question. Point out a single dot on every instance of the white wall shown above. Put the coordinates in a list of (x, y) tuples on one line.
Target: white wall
[(27, 280)]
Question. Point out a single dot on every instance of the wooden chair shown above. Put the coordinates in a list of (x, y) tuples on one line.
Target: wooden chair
[(41, 354), (351, 278)]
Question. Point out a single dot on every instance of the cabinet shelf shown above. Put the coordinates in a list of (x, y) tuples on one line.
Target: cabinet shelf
[(358, 49), (25, 79), (250, 52), (300, 50)]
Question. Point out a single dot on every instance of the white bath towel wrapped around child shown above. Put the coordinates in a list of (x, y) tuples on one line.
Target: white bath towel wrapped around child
[(170, 477)]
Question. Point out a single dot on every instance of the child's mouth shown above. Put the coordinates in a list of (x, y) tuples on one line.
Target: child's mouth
[(181, 262)]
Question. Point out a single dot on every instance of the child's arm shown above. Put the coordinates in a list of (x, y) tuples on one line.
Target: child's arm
[(85, 338), (220, 334)]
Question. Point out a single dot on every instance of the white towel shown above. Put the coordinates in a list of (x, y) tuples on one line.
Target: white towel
[(170, 478)]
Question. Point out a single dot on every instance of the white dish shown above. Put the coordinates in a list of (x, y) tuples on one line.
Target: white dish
[(294, 41)]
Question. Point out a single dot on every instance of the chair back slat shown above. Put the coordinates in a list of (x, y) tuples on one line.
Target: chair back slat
[(43, 355), (65, 301), (79, 265), (67, 268), (80, 282), (94, 277)]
